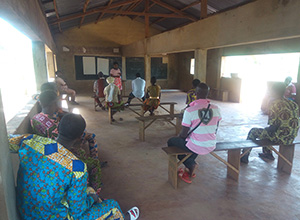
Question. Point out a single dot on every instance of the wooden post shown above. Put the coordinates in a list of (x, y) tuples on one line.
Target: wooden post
[(142, 130), (147, 19), (172, 110), (109, 115), (172, 170), (288, 152), (203, 9), (234, 160), (178, 125)]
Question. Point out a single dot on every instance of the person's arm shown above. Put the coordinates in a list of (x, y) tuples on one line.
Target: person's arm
[(95, 87), (77, 198), (186, 124), (272, 119)]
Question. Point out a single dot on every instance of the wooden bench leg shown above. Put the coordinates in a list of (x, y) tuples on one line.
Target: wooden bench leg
[(287, 151), (172, 110), (109, 115), (142, 130), (234, 160), (172, 171), (178, 125)]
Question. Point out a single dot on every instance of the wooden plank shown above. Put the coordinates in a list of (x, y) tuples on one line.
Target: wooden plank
[(57, 15), (233, 158), (144, 11), (147, 33), (203, 12), (178, 125), (224, 161), (288, 153), (150, 124), (109, 115), (84, 10), (172, 171)]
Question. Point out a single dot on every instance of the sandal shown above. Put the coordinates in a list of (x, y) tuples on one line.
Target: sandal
[(134, 213), (185, 176)]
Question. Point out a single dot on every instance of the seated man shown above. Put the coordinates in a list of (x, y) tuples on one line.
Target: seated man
[(98, 90), (52, 182), (138, 89), (63, 87), (283, 120), (198, 135), (153, 97), (290, 91), (113, 97), (191, 94)]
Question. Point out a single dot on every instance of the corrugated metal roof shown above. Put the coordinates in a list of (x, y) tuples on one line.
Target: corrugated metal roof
[(71, 11)]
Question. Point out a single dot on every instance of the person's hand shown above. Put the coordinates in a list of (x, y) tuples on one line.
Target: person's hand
[(94, 196)]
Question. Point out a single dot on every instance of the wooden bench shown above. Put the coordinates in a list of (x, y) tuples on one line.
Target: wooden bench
[(151, 119), (285, 157), (162, 104)]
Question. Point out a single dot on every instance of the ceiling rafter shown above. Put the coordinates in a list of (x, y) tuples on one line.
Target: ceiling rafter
[(177, 11), (120, 9), (84, 10), (103, 13), (134, 5), (183, 9), (57, 15), (150, 6), (203, 11), (91, 11)]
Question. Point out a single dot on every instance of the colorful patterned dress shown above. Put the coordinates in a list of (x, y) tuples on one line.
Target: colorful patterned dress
[(52, 183), (152, 102), (116, 73), (46, 126)]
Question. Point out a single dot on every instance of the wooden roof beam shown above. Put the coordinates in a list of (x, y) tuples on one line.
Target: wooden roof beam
[(57, 15), (91, 11), (120, 12), (146, 18), (84, 10), (120, 9), (183, 9), (103, 13), (177, 11), (150, 6), (203, 13), (133, 6)]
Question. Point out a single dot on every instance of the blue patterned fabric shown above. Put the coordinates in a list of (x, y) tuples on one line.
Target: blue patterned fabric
[(52, 183)]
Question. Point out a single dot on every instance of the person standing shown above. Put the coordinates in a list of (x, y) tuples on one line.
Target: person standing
[(198, 134), (117, 74), (290, 91), (283, 120), (138, 89)]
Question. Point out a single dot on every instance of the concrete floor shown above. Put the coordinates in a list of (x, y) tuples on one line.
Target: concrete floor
[(136, 174)]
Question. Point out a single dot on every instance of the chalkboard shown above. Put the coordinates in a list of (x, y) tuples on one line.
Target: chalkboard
[(158, 68), (135, 65), (79, 66)]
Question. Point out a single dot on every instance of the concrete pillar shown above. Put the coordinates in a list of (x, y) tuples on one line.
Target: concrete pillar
[(7, 184), (50, 65), (39, 63), (147, 70), (200, 65)]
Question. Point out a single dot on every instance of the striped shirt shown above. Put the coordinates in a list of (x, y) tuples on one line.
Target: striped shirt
[(203, 139)]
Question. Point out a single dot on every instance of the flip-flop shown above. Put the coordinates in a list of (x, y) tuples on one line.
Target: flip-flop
[(134, 213), (180, 170), (185, 176)]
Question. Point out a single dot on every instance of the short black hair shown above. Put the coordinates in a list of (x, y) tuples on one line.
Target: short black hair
[(153, 80), (202, 91), (138, 75), (71, 126), (116, 63), (196, 82), (278, 89), (47, 98), (49, 86)]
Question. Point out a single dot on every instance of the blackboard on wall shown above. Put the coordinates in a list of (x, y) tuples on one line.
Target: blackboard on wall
[(79, 66), (135, 65), (158, 68)]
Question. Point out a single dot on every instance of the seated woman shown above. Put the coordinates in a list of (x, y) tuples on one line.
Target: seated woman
[(98, 90), (152, 97), (52, 181), (113, 97), (44, 124)]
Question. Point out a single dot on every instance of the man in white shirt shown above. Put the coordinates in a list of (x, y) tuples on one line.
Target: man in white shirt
[(138, 89)]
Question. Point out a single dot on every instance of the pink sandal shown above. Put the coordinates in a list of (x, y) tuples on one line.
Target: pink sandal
[(185, 176), (134, 213)]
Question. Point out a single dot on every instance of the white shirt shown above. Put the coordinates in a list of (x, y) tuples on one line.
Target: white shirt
[(138, 87)]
